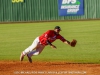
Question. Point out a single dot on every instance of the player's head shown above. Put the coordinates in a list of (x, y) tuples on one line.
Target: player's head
[(57, 29)]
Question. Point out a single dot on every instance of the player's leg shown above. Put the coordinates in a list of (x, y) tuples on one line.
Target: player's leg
[(38, 50), (32, 47), (29, 49)]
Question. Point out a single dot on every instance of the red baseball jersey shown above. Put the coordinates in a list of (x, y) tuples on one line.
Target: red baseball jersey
[(51, 36)]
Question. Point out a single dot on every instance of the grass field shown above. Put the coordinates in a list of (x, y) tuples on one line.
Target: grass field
[(14, 38)]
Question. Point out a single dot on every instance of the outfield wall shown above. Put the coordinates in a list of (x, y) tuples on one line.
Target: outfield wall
[(43, 10)]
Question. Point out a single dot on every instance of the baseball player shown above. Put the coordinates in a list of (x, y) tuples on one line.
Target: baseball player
[(45, 39)]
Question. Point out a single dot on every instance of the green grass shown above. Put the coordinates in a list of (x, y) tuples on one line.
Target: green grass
[(14, 38)]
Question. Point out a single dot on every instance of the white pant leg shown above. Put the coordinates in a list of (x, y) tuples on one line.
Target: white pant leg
[(37, 51), (32, 47)]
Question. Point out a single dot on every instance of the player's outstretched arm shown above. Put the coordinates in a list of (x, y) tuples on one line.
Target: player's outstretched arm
[(52, 46), (72, 43), (67, 42)]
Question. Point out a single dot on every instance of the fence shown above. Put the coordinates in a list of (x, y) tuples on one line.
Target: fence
[(42, 10)]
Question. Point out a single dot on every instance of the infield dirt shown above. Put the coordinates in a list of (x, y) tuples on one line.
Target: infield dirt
[(47, 68)]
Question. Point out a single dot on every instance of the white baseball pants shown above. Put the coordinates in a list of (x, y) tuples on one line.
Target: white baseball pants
[(34, 49)]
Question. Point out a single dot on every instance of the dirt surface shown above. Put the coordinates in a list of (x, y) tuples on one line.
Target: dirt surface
[(47, 68)]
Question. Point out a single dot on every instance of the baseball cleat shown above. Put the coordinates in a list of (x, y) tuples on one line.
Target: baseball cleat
[(22, 56), (29, 58)]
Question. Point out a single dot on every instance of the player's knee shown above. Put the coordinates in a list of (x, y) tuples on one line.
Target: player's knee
[(36, 53)]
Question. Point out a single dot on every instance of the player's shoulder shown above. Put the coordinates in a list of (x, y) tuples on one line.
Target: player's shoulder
[(50, 31)]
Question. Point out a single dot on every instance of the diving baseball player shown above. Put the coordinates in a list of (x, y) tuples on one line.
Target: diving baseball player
[(45, 39)]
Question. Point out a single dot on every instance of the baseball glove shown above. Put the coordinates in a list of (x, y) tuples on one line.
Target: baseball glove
[(73, 43)]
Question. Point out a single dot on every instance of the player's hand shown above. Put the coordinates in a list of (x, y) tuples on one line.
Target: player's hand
[(52, 46)]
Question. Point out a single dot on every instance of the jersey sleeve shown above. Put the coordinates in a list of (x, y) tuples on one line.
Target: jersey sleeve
[(61, 38), (44, 37)]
